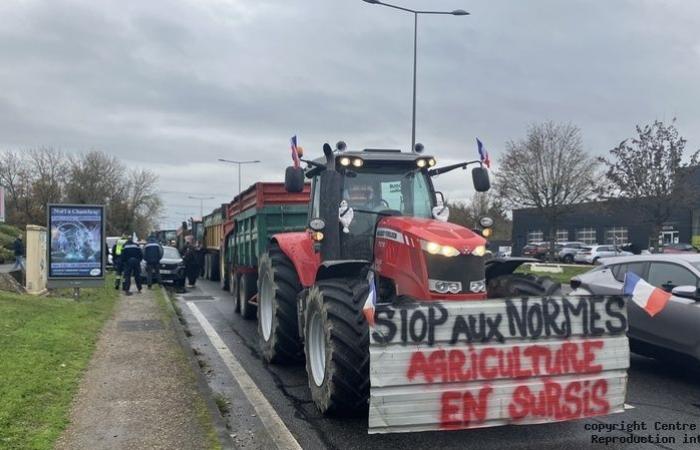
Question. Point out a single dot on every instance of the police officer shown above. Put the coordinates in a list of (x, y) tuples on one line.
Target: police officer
[(117, 260), (152, 253), (191, 267), (131, 259)]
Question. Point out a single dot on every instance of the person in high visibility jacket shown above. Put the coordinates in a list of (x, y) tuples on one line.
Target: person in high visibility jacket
[(117, 260), (131, 260)]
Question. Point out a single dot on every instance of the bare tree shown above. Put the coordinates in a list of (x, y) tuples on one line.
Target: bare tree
[(548, 170), (482, 204), (647, 172), (47, 168)]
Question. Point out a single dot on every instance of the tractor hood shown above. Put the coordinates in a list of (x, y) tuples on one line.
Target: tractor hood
[(431, 230)]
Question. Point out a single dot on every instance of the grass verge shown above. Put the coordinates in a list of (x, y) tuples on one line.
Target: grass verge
[(563, 278), (45, 344)]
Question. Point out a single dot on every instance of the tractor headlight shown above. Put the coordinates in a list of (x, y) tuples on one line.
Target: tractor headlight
[(344, 161), (431, 162), (357, 162), (421, 163), (436, 249), (479, 250), (486, 232)]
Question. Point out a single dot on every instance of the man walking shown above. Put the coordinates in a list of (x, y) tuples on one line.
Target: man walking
[(152, 253), (131, 259), (19, 253), (191, 267), (117, 261)]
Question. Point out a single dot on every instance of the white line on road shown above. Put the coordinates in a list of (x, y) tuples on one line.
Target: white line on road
[(273, 423), (627, 406)]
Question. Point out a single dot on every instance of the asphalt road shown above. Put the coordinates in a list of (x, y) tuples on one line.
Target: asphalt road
[(657, 393)]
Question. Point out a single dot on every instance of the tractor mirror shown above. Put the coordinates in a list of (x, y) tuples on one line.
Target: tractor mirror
[(481, 179), (294, 179)]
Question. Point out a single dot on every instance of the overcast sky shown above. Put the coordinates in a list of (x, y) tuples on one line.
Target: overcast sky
[(172, 85)]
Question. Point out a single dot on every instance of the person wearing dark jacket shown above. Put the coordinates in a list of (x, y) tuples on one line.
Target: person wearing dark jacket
[(18, 248), (191, 266), (131, 260), (152, 254)]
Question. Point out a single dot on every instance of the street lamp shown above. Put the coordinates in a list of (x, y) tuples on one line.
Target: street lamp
[(456, 12), (239, 163), (201, 203)]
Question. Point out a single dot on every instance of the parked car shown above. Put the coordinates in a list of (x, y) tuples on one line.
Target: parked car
[(111, 240), (676, 327), (172, 267), (591, 254), (535, 250), (678, 248), (568, 250)]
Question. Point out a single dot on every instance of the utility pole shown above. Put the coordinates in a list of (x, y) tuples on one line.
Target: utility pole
[(456, 12), (201, 203), (239, 164)]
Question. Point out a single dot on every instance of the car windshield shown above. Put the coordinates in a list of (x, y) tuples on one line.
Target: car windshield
[(170, 253)]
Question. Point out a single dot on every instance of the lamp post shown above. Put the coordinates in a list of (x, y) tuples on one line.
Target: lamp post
[(201, 203), (239, 163), (456, 12)]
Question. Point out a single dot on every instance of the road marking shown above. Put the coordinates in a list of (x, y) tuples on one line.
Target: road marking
[(628, 406), (280, 434)]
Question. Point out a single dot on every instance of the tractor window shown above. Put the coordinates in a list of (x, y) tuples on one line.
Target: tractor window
[(422, 198), (406, 192)]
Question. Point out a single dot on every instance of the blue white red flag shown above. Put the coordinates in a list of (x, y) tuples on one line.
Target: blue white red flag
[(295, 154), (483, 153), (649, 298), (371, 302)]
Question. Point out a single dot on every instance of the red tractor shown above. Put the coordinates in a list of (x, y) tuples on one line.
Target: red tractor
[(370, 211)]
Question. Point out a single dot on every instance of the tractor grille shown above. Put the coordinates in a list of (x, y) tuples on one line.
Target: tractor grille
[(462, 268)]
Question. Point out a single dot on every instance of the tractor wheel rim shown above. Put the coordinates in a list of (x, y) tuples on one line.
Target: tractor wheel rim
[(317, 348), (266, 294)]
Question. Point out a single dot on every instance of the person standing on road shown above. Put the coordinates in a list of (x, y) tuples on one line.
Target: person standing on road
[(131, 259), (200, 252), (191, 267), (117, 260), (18, 248), (152, 253)]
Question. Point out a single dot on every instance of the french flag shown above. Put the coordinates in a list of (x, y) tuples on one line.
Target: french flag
[(295, 153), (483, 153), (370, 303), (648, 297)]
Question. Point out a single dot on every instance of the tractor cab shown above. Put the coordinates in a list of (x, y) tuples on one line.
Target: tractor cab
[(355, 189)]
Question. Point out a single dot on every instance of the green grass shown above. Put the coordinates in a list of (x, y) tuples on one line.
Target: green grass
[(564, 277), (45, 344)]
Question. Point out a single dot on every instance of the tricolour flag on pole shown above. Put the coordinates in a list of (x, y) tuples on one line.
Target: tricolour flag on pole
[(371, 301), (483, 153), (295, 154), (648, 297)]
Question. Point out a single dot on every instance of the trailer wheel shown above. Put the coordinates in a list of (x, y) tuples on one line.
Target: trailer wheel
[(336, 345), (246, 290), (278, 286), (520, 284)]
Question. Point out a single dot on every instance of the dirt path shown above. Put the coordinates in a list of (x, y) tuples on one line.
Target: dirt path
[(139, 390)]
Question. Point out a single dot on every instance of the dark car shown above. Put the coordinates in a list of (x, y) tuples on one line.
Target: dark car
[(172, 267), (675, 329), (678, 248)]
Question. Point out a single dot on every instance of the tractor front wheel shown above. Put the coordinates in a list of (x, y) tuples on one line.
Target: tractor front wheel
[(278, 286), (519, 284), (336, 345)]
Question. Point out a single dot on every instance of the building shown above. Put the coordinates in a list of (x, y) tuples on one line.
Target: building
[(604, 223)]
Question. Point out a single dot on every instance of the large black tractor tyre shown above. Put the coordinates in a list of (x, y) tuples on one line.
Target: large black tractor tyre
[(336, 346), (520, 284), (278, 287), (233, 289), (246, 291)]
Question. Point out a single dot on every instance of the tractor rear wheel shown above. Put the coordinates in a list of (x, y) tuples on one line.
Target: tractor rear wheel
[(336, 345), (520, 284), (278, 287), (246, 291)]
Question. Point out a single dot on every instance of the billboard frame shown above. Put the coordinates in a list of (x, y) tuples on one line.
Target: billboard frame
[(53, 282)]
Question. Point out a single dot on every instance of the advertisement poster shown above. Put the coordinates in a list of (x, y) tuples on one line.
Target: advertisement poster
[(76, 242)]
